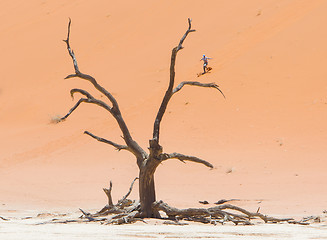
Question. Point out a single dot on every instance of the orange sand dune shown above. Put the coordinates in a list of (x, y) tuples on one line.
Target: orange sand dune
[(267, 140)]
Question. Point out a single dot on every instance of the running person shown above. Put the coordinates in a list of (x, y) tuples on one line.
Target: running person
[(205, 63)]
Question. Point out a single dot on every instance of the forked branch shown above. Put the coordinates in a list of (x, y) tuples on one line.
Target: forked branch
[(107, 191), (184, 158), (87, 77), (189, 30), (169, 91), (114, 109), (123, 206)]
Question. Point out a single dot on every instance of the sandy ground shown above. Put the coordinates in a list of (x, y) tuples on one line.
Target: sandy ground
[(267, 140), (39, 226)]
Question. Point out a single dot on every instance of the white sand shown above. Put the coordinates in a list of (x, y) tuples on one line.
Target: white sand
[(33, 229)]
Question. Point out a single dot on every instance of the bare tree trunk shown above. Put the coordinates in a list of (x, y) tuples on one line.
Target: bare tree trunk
[(147, 192)]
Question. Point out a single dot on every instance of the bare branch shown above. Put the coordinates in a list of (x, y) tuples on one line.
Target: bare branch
[(86, 100), (73, 108), (216, 214), (126, 218), (70, 51), (189, 30), (117, 146), (198, 84), (79, 74), (173, 212), (81, 91), (128, 193), (169, 91), (114, 110), (183, 158), (4, 219), (107, 191), (265, 218), (87, 215)]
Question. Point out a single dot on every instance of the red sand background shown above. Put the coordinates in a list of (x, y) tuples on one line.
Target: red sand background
[(269, 58)]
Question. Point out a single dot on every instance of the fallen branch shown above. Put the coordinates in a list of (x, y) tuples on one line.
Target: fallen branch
[(265, 218), (222, 201), (217, 214), (4, 219), (123, 205), (170, 222), (128, 218), (126, 212), (121, 201)]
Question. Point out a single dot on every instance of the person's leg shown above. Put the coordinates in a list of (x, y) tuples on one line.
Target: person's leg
[(204, 68)]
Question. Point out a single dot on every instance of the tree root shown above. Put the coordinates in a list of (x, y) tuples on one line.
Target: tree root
[(213, 215), (126, 211), (218, 214)]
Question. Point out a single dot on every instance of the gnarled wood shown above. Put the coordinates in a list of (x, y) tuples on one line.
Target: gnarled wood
[(123, 205), (216, 214), (169, 92), (114, 109)]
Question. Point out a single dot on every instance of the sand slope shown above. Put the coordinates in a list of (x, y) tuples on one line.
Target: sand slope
[(270, 132)]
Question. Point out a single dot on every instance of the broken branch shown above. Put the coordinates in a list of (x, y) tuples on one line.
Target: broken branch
[(107, 191), (128, 193)]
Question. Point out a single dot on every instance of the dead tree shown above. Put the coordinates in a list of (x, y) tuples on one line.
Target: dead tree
[(127, 211), (147, 162)]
